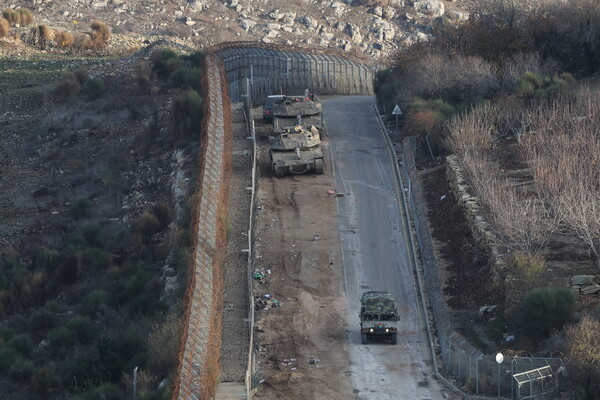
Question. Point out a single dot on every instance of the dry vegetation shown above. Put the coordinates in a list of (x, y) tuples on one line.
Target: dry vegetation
[(509, 93)]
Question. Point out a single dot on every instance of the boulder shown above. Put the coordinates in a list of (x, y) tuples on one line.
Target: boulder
[(582, 280), (434, 7)]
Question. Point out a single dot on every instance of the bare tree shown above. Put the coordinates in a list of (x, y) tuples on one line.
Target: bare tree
[(583, 357)]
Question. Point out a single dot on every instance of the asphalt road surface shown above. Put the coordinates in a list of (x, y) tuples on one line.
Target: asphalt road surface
[(376, 256)]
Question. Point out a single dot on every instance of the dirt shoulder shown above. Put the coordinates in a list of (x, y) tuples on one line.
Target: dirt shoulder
[(305, 278)]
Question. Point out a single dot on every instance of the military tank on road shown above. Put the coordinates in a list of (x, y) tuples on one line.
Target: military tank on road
[(307, 109), (296, 150)]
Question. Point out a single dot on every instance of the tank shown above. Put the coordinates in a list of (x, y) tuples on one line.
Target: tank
[(296, 150), (378, 316), (306, 109)]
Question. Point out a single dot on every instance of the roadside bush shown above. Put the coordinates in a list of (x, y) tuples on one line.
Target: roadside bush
[(547, 310), (81, 208), (45, 379), (187, 114), (93, 88), (165, 62), (100, 34), (187, 78), (4, 27), (494, 329), (162, 212), (95, 299)]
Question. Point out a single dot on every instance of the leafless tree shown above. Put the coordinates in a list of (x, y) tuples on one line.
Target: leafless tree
[(563, 150)]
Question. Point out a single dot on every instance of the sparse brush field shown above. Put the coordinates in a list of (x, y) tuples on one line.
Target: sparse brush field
[(516, 104), (94, 231)]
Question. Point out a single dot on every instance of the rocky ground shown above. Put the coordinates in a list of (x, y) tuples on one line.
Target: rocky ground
[(373, 28)]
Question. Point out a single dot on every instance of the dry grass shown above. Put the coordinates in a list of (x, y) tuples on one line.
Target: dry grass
[(100, 35), (63, 39), (4, 27)]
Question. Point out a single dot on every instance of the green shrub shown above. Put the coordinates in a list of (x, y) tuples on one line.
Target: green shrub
[(83, 328), (81, 208), (8, 357), (187, 78), (76, 243), (48, 260), (94, 235), (132, 280), (11, 272), (494, 329), (95, 259), (531, 84), (194, 59), (41, 321), (5, 334), (93, 88), (187, 114), (45, 379), (106, 391), (165, 62), (60, 337), (93, 300), (21, 343), (547, 310), (21, 371)]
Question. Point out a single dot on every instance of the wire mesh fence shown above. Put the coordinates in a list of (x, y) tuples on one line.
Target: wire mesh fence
[(477, 373)]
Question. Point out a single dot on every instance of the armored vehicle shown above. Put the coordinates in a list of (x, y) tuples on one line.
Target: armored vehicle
[(378, 316), (306, 108), (296, 150)]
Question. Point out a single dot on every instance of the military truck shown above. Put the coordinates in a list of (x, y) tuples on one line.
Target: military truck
[(307, 109), (296, 150), (378, 316)]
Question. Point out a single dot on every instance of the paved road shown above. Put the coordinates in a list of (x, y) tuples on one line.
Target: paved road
[(376, 256)]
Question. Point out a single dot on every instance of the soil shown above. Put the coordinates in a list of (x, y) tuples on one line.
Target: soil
[(301, 343), (467, 278)]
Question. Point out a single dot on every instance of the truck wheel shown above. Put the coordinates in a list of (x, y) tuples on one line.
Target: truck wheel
[(279, 172), (363, 337), (319, 167), (394, 337)]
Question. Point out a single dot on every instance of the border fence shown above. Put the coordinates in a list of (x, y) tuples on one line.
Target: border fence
[(273, 71), (484, 375)]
